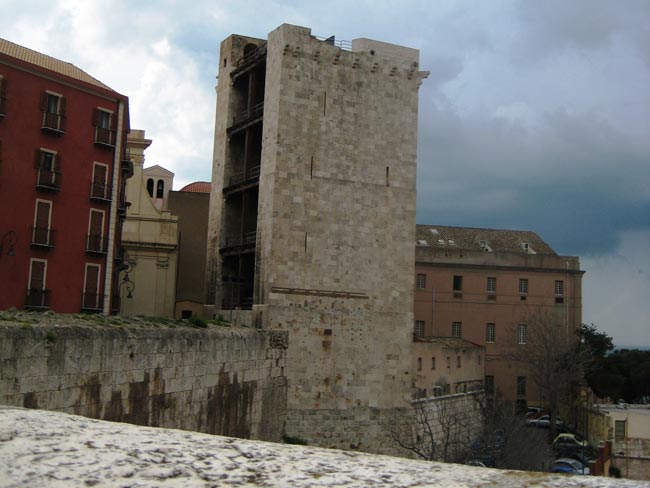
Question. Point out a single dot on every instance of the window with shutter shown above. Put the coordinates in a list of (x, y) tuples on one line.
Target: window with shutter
[(42, 234), (99, 188), (96, 232), (91, 298), (37, 294)]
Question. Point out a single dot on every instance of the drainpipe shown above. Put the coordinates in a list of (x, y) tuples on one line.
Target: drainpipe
[(108, 277)]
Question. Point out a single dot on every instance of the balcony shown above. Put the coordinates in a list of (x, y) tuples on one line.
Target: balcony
[(242, 180), (246, 118), (250, 59), (53, 123), (239, 244), (105, 137), (37, 299), (47, 180), (43, 236), (101, 191), (96, 244), (92, 302)]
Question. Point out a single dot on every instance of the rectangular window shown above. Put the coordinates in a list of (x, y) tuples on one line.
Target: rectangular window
[(42, 234), (448, 362), (421, 281), (559, 291), (433, 362), (53, 108), (48, 176), (492, 285), (620, 428), (419, 328), (456, 329), (99, 188), (37, 293), (523, 286), (419, 364), (490, 333), (458, 283), (521, 385), (91, 299), (95, 241), (458, 361), (104, 130), (522, 333), (3, 96), (489, 384)]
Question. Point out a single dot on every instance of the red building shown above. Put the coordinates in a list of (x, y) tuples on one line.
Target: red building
[(62, 173)]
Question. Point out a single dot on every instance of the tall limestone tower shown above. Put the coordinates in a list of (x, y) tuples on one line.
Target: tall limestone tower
[(312, 219)]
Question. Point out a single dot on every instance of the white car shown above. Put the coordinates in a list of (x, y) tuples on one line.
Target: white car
[(545, 421)]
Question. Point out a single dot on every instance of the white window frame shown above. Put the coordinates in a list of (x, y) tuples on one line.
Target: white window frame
[(523, 286), (522, 334), (419, 328), (49, 220), (95, 164), (491, 284), (421, 281), (457, 329), (31, 261), (99, 280), (55, 163), (559, 288), (101, 235), (490, 333)]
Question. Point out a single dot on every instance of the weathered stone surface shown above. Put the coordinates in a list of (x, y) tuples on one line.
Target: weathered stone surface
[(215, 380), (52, 449)]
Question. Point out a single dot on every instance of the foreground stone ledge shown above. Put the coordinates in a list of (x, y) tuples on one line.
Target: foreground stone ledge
[(41, 448)]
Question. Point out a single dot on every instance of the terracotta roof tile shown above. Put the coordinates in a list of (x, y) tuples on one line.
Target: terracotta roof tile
[(42, 60), (197, 187)]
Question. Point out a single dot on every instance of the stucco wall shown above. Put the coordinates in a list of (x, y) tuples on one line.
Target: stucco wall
[(219, 381)]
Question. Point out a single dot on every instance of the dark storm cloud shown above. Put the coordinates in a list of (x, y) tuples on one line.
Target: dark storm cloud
[(575, 179)]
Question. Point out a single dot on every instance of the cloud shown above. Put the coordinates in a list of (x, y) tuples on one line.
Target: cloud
[(615, 290)]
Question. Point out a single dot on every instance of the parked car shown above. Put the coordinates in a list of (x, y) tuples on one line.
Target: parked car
[(545, 421), (534, 412), (569, 442), (569, 466)]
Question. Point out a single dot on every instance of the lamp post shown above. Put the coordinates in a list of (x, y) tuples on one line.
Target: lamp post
[(9, 239), (126, 283)]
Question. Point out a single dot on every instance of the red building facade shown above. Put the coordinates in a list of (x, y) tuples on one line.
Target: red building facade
[(62, 173)]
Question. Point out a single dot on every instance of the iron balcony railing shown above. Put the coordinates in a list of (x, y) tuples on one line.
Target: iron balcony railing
[(105, 137), (247, 115), (96, 244), (341, 44), (101, 191), (43, 236), (92, 302), (249, 59), (250, 174), (53, 121), (246, 239), (37, 298), (48, 180)]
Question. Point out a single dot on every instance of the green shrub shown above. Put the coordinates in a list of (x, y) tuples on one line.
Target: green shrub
[(197, 322)]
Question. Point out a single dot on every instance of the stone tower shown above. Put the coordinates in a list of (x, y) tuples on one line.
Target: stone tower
[(312, 219)]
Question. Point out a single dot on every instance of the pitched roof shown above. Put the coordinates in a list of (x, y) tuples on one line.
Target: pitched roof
[(44, 61), (197, 187), (477, 239)]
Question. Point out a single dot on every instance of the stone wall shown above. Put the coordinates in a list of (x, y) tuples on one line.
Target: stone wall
[(218, 381)]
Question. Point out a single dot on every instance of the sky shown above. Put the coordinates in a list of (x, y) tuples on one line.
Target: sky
[(536, 114)]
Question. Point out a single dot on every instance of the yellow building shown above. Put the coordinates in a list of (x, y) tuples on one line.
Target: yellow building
[(150, 240)]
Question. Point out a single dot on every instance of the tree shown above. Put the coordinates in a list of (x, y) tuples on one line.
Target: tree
[(553, 357), (435, 429), (507, 443), (597, 344)]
